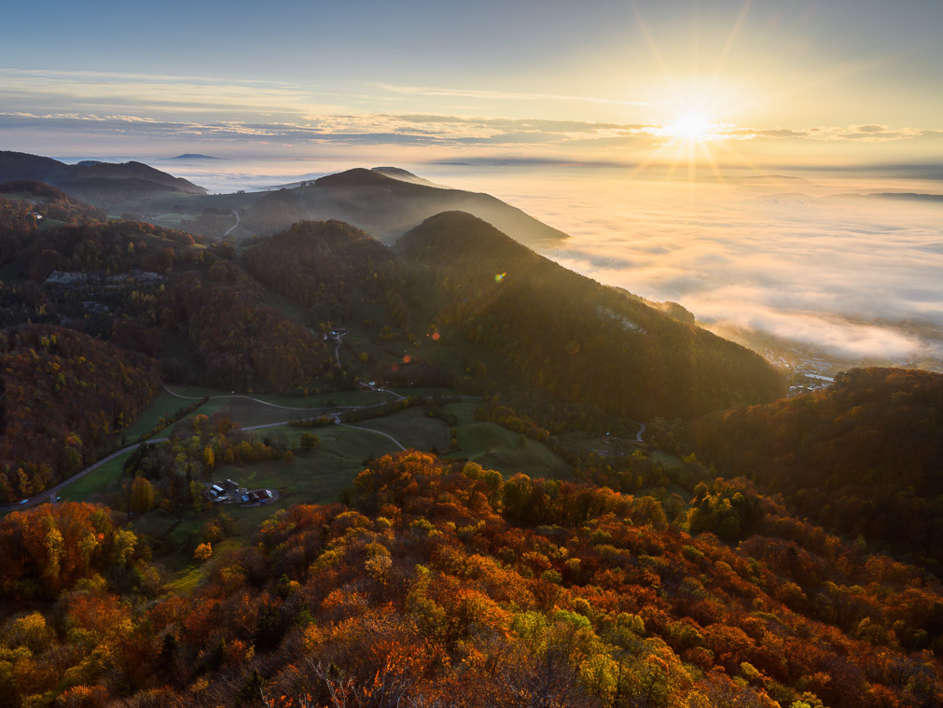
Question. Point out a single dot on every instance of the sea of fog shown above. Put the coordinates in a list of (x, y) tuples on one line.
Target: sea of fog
[(809, 268)]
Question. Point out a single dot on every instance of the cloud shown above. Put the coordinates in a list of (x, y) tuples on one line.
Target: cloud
[(281, 112), (436, 91), (854, 279)]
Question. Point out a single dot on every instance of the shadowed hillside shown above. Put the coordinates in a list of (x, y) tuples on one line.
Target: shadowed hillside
[(319, 263), (64, 394), (572, 337), (863, 457), (387, 202), (103, 184)]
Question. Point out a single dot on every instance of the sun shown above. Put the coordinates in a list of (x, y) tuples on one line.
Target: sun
[(693, 127)]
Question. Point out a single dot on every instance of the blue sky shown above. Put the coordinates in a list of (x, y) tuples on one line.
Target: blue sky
[(782, 76)]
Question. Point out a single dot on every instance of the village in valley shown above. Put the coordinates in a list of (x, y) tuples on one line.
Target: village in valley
[(229, 492)]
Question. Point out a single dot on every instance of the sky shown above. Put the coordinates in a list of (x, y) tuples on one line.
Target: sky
[(809, 82), (728, 155)]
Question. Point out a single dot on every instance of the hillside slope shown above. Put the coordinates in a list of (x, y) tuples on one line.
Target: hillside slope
[(571, 336), (319, 263), (864, 456), (64, 394), (444, 584), (157, 291)]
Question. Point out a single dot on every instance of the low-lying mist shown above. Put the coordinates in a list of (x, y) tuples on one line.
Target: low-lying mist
[(798, 268), (811, 269)]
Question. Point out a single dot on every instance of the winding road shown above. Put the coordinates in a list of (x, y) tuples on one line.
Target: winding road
[(378, 432), (51, 493), (234, 226)]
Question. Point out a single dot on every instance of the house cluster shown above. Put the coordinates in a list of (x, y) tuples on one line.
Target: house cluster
[(229, 492)]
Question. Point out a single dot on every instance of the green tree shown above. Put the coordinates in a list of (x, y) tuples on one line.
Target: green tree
[(142, 495), (309, 442)]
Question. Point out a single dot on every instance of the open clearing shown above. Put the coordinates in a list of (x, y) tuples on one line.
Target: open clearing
[(498, 448), (319, 476)]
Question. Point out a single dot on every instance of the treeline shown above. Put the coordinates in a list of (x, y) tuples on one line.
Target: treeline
[(65, 395), (445, 584), (97, 248), (862, 457), (354, 415)]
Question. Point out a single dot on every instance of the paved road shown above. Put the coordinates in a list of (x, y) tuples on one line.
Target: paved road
[(51, 493), (234, 226)]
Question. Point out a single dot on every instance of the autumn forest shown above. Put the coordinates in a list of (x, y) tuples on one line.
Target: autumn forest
[(310, 468)]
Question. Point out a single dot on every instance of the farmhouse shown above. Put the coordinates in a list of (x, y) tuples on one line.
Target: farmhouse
[(258, 496), (225, 491)]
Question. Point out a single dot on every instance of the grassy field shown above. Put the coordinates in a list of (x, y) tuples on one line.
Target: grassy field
[(191, 576), (413, 428), (310, 478), (498, 448), (319, 400), (164, 406), (463, 410), (95, 484)]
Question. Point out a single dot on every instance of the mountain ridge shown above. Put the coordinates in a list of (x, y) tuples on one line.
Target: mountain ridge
[(102, 184)]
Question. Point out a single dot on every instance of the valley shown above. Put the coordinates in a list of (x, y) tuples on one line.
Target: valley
[(276, 436)]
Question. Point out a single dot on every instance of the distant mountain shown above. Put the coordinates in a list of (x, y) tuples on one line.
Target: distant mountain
[(194, 156), (103, 184), (386, 202), (403, 175), (909, 196)]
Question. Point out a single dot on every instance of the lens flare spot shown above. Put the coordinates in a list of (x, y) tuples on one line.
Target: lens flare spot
[(499, 277)]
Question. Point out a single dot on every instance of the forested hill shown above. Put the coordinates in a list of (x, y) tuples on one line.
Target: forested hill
[(155, 290), (571, 336), (864, 456), (102, 184), (386, 204), (64, 394), (444, 584), (319, 264)]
